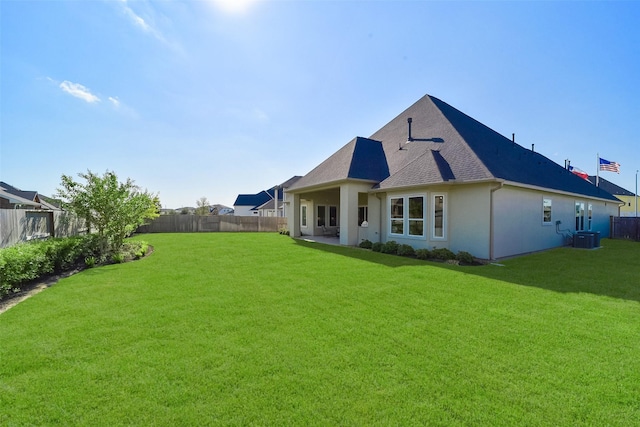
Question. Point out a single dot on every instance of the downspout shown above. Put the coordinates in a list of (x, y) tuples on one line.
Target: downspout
[(379, 218), (491, 219)]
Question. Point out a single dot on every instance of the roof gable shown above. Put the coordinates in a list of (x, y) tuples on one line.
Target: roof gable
[(361, 158)]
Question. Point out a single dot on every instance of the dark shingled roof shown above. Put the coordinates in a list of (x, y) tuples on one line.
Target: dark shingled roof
[(610, 187), (252, 199), (361, 158), (29, 195), (447, 145)]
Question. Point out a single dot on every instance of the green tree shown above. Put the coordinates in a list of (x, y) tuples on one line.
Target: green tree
[(203, 206), (112, 208)]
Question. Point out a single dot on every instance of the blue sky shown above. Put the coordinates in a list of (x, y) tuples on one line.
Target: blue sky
[(216, 98)]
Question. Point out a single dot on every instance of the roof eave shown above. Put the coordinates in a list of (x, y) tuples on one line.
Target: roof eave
[(556, 191), (328, 185)]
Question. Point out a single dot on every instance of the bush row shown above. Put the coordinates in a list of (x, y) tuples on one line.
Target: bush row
[(25, 262), (394, 248)]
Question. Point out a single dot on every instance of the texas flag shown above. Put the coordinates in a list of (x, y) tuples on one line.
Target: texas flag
[(582, 174)]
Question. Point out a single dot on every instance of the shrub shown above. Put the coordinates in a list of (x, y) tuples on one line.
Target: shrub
[(423, 254), (465, 257), (134, 250), (376, 247), (366, 244), (118, 258), (90, 261), (390, 247), (22, 263), (406, 250), (64, 253), (25, 262), (443, 254)]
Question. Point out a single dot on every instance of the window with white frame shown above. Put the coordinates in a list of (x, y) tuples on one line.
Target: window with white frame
[(579, 216), (546, 211), (303, 215), (407, 216), (416, 216), (322, 216), (438, 216), (333, 216), (397, 215), (327, 216), (589, 215)]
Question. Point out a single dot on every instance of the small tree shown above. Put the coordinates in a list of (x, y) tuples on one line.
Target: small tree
[(112, 208), (203, 206)]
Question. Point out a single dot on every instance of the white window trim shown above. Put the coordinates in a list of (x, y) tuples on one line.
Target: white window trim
[(551, 206), (580, 216), (405, 216), (433, 216), (304, 218), (327, 216)]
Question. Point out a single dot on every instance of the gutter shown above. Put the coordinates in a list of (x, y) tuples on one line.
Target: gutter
[(491, 219)]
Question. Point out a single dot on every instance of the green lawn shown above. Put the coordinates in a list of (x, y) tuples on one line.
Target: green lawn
[(261, 329)]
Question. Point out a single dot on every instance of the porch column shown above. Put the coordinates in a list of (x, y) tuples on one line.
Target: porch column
[(293, 218), (348, 215)]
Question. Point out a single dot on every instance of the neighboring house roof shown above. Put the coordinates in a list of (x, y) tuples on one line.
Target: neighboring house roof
[(269, 205), (29, 195), (446, 145), (17, 200), (253, 199), (256, 201), (26, 196), (610, 187)]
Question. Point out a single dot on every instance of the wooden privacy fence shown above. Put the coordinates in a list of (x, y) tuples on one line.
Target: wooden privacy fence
[(21, 225), (625, 227), (212, 223)]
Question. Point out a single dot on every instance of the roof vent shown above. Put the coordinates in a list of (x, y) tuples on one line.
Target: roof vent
[(409, 138)]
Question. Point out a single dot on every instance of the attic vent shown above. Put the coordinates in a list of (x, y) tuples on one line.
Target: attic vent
[(409, 138)]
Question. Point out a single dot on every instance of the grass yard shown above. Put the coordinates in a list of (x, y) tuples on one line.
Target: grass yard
[(261, 329)]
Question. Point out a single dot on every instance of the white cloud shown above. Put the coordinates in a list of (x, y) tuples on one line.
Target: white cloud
[(79, 91), (144, 24), (137, 20), (115, 101)]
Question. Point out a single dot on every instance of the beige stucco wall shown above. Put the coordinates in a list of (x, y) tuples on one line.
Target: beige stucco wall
[(516, 228), (466, 220), (518, 225), (469, 219)]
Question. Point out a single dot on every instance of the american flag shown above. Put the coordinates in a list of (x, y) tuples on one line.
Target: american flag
[(606, 165)]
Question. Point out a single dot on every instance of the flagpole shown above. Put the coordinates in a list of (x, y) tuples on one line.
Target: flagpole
[(636, 194), (598, 170)]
